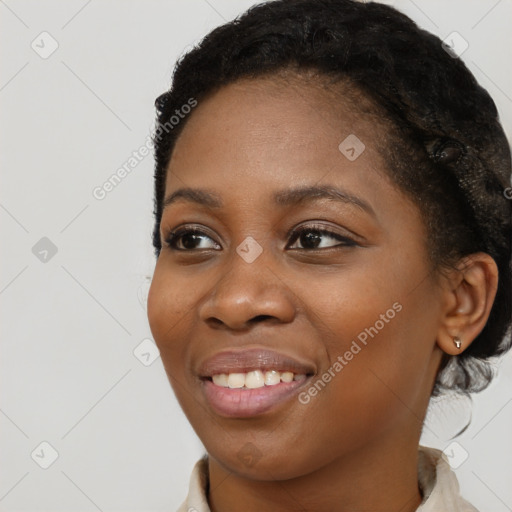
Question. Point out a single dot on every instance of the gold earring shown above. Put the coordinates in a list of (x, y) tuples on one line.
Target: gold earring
[(458, 342)]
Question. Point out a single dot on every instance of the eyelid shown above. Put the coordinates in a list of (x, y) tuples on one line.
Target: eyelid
[(344, 240), (175, 233)]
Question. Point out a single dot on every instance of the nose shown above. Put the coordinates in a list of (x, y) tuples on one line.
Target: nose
[(245, 294)]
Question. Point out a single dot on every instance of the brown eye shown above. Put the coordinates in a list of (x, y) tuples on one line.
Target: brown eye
[(311, 238), (188, 239)]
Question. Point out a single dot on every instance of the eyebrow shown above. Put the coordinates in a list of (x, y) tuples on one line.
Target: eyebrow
[(288, 197)]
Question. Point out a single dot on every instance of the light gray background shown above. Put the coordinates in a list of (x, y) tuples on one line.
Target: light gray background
[(70, 325)]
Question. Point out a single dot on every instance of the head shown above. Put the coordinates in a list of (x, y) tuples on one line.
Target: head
[(405, 164)]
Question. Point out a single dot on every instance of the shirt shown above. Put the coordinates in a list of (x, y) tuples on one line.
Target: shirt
[(437, 482)]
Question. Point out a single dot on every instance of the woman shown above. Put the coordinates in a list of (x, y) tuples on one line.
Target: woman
[(333, 238)]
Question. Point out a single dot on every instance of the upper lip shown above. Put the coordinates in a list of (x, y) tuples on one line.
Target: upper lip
[(249, 359)]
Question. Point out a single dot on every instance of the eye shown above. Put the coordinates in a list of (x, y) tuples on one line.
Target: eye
[(312, 237), (187, 239)]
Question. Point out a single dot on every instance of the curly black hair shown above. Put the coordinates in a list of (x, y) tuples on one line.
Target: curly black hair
[(444, 145)]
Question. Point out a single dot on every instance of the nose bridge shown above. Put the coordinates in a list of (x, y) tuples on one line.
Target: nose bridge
[(247, 288)]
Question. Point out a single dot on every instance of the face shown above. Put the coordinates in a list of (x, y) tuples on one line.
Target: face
[(305, 263)]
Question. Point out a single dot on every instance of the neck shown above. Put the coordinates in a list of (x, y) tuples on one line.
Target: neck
[(381, 476)]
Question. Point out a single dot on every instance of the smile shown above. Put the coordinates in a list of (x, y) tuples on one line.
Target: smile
[(244, 402), (241, 383), (255, 379)]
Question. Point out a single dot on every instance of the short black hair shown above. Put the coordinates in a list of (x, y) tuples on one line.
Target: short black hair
[(445, 146)]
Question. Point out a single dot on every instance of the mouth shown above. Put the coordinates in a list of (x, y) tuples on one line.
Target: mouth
[(254, 379), (241, 384)]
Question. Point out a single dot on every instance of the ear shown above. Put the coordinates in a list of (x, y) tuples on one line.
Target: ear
[(469, 291)]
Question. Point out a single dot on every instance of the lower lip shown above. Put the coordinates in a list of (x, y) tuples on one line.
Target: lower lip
[(244, 403)]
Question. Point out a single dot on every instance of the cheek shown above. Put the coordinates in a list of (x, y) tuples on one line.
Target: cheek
[(169, 308), (367, 388), (379, 337)]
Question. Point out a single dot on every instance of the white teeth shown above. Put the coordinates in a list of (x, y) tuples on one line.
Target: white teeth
[(286, 376), (272, 378), (236, 380), (255, 379), (221, 380)]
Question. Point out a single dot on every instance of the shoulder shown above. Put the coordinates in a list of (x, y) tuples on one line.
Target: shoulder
[(196, 500), (438, 484)]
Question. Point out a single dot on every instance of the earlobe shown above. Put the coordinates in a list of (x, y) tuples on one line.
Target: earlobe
[(470, 291), (453, 345)]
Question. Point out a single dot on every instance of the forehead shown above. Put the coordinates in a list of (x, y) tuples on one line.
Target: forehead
[(277, 126)]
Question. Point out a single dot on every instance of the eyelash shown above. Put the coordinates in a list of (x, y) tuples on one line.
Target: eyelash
[(175, 236)]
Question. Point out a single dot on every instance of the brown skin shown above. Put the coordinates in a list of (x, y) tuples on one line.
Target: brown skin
[(354, 445)]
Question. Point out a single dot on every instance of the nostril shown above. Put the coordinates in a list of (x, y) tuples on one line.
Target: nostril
[(261, 317)]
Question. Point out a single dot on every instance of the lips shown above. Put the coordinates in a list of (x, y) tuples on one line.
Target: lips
[(242, 401), (247, 360)]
